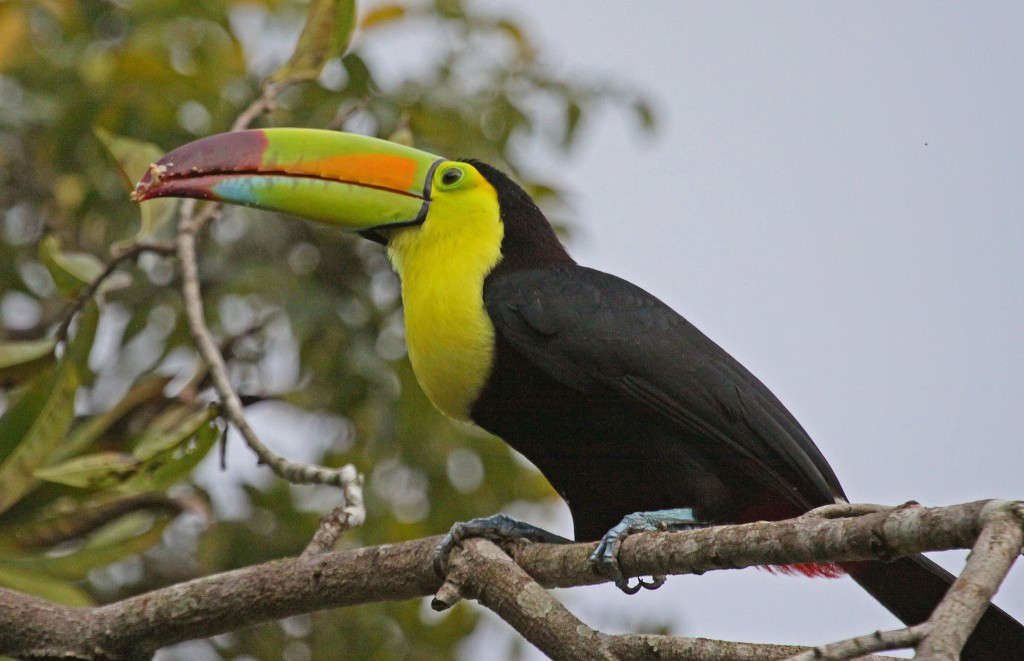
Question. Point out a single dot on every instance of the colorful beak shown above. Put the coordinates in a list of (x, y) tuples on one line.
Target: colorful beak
[(352, 181)]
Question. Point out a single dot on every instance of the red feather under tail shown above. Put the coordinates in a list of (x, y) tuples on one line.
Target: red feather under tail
[(814, 570)]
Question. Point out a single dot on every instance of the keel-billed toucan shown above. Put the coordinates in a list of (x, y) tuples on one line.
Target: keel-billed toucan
[(622, 404)]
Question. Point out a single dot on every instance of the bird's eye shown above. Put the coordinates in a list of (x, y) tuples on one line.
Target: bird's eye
[(451, 176)]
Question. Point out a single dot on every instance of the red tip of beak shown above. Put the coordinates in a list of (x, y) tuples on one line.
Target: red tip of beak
[(208, 160)]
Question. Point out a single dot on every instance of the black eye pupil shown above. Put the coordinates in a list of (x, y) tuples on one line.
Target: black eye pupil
[(450, 176)]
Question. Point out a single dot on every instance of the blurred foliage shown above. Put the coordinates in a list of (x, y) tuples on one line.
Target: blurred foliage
[(105, 419)]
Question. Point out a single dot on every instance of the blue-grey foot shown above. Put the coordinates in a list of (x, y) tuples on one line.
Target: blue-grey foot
[(497, 528), (605, 557)]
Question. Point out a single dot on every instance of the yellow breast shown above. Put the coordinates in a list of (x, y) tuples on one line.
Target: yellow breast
[(442, 264)]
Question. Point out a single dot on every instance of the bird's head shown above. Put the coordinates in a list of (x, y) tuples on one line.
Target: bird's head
[(390, 193)]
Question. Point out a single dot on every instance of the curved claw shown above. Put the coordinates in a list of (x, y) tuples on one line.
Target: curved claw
[(443, 551), (653, 584), (497, 528), (605, 558)]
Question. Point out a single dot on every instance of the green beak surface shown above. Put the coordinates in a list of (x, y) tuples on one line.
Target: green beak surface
[(352, 181)]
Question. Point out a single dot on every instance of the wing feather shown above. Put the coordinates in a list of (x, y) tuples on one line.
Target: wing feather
[(589, 330)]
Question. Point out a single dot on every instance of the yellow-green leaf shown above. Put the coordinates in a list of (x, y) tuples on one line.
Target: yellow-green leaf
[(328, 31), (14, 35), (165, 470), (91, 429), (159, 442), (131, 534), (71, 271), (645, 113), (19, 360), (133, 158), (61, 519), (381, 15), (42, 584), (92, 471), (37, 423)]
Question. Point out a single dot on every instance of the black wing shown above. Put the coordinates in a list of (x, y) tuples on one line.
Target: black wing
[(589, 330)]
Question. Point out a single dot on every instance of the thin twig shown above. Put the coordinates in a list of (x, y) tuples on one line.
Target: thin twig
[(262, 104), (655, 647), (232, 405), (333, 525), (132, 251), (853, 648)]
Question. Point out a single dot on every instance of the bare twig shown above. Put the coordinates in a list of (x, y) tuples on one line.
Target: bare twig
[(130, 252), (333, 525), (651, 647), (262, 104), (854, 648), (344, 114)]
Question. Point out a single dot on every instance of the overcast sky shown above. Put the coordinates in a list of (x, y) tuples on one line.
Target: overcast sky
[(836, 196)]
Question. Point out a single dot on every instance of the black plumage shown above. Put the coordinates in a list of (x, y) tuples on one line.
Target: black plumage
[(626, 407)]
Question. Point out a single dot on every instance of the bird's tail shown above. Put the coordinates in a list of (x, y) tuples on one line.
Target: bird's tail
[(911, 587)]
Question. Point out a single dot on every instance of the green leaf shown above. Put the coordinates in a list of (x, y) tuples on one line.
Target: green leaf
[(42, 584), (133, 158), (23, 412), (61, 519), (92, 471), (573, 114), (157, 442), (645, 113), (37, 423), (170, 468), (163, 455), (71, 271), (382, 15), (121, 530), (515, 31), (328, 31), (90, 430), (128, 535), (19, 360)]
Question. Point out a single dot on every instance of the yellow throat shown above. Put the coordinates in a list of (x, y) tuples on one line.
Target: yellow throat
[(442, 264)]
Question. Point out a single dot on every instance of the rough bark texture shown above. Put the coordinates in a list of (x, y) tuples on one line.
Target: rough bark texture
[(512, 584)]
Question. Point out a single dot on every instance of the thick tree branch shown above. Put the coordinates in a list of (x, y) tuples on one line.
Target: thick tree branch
[(483, 572), (992, 555), (231, 600)]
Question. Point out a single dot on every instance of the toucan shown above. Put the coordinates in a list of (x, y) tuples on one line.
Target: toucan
[(634, 416)]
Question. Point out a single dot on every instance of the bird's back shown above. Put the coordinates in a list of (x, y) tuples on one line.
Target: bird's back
[(625, 406)]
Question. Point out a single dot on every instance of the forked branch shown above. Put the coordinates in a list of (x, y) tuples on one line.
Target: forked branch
[(512, 586)]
